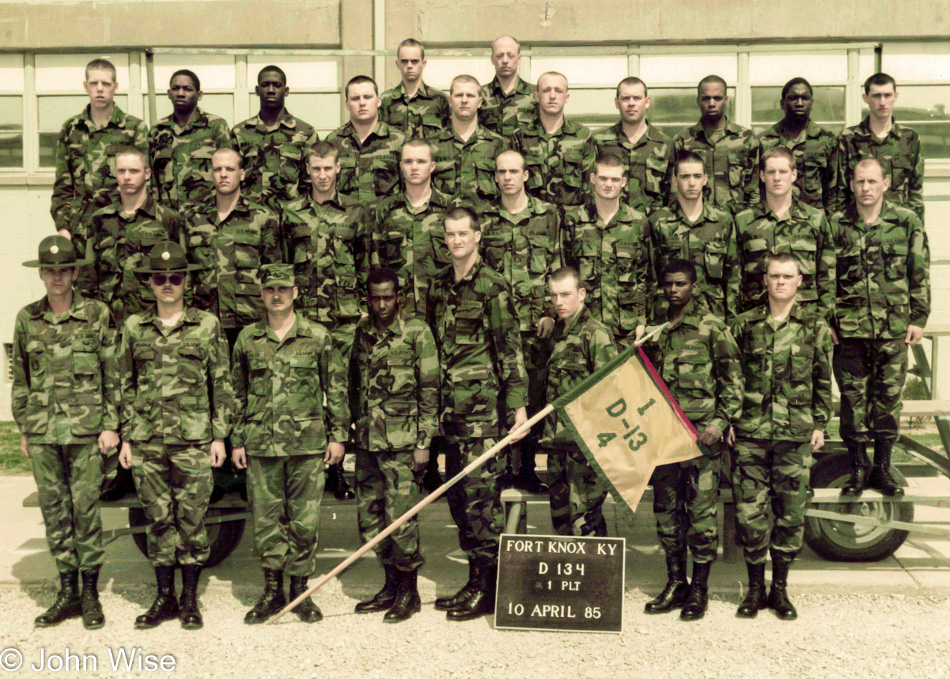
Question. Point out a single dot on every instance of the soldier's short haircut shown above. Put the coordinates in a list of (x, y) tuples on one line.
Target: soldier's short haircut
[(462, 212), (229, 149), (101, 65), (631, 81), (272, 69), (510, 37), (782, 258), (779, 151), (381, 276), (566, 272), (688, 157), (464, 78), (510, 152), (679, 266), (870, 160), (129, 150), (411, 42), (418, 143), (186, 72), (359, 80), (796, 81), (879, 79), (554, 73), (711, 80), (322, 149), (609, 159)]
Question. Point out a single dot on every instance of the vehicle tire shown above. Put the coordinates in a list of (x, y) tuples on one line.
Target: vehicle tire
[(841, 541), (224, 537)]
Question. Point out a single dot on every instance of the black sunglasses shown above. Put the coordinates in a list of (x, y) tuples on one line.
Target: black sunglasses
[(174, 279)]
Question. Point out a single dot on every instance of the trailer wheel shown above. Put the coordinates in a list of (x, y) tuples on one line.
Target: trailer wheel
[(841, 541), (224, 537)]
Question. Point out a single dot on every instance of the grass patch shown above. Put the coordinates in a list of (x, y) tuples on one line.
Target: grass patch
[(12, 460)]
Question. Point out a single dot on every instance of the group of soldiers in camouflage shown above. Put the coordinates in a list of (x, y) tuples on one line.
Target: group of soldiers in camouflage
[(428, 276)]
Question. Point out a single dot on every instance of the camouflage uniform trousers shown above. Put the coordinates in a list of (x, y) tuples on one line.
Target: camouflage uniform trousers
[(285, 495), (67, 478), (386, 488), (577, 493), (520, 456), (475, 501), (870, 375), (685, 499), (770, 469), (174, 485)]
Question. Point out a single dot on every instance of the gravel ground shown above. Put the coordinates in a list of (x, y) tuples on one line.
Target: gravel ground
[(837, 635)]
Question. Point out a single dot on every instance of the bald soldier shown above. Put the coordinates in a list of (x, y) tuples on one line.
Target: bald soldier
[(507, 99), (412, 107)]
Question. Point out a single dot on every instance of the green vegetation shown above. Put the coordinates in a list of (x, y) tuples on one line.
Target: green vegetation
[(12, 461)]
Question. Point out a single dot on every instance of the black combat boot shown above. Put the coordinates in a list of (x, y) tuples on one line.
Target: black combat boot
[(407, 598), (337, 484), (306, 610), (880, 477), (67, 604), (189, 614), (694, 608), (778, 595), (676, 590), (92, 617), (271, 601), (482, 600), (756, 600), (450, 603), (165, 606), (384, 598), (432, 479), (857, 482)]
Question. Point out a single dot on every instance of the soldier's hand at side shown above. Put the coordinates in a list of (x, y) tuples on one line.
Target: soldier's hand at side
[(420, 458), (638, 333), (66, 233), (125, 455), (545, 327), (914, 334), (335, 452), (730, 437), (711, 435), (107, 441), (817, 440), (217, 452), (521, 416), (834, 337), (239, 457), (24, 445)]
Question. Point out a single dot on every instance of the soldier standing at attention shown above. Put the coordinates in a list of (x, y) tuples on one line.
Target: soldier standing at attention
[(85, 160), (412, 107), (230, 238), (582, 345), (553, 145), (65, 401), (783, 223), (644, 149), (786, 362), (290, 419), (813, 147), (181, 146), (729, 152), (608, 242), (394, 398), (879, 136), (475, 324), (883, 301), (507, 100), (272, 145), (177, 402), (699, 362)]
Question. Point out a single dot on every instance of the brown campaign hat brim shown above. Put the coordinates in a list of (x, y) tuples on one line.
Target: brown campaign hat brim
[(187, 268), (37, 264)]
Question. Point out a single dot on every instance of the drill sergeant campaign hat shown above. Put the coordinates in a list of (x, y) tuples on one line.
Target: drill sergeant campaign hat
[(167, 257), (56, 252), (277, 275)]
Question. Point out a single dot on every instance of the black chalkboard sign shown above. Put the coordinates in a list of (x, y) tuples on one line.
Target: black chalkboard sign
[(567, 584)]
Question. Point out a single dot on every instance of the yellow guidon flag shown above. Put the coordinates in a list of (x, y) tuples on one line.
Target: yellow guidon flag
[(626, 422)]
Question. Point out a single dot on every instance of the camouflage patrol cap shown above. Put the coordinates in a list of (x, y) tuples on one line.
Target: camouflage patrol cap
[(166, 257), (56, 252), (277, 275)]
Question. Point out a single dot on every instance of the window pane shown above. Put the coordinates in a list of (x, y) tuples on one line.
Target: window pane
[(320, 110), (676, 109), (53, 112), (592, 107), (687, 68), (925, 109), (11, 72), (11, 131), (587, 70), (778, 69), (920, 61), (218, 104), (302, 72), (828, 108), (440, 70), (67, 72), (216, 72)]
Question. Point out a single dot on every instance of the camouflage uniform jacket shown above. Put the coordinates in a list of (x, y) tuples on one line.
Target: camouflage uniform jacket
[(710, 244), (555, 162), (411, 241), (883, 273), (368, 171), (731, 159), (581, 346), (525, 249), (699, 362), (615, 261), (65, 372), (504, 113), (290, 393), (901, 159), (465, 170), (422, 116), (176, 386), (805, 233), (231, 253), (85, 167), (476, 329), (648, 161), (275, 159), (787, 370), (122, 244), (394, 385), (181, 158), (329, 246), (815, 159)]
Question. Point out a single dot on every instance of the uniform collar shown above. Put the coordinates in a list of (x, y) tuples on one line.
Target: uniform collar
[(348, 130), (691, 318), (399, 92), (536, 129), (521, 87), (397, 328), (730, 130), (117, 119), (865, 127), (777, 131), (77, 309), (200, 119), (709, 214), (283, 120)]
